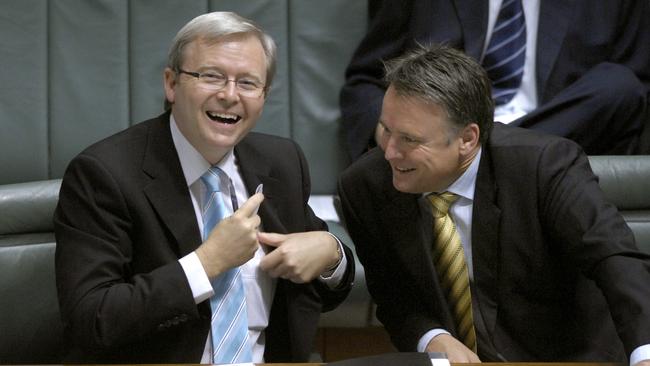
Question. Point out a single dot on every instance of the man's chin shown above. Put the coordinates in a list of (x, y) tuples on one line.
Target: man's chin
[(402, 186)]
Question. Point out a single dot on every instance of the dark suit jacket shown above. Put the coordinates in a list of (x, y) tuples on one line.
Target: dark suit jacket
[(573, 37), (124, 219), (556, 269)]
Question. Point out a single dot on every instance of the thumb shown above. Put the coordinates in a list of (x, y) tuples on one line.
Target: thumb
[(272, 239)]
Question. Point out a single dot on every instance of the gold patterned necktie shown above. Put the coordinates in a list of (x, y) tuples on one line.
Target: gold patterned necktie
[(449, 261)]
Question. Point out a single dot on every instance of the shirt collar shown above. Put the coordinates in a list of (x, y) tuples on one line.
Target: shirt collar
[(465, 184)]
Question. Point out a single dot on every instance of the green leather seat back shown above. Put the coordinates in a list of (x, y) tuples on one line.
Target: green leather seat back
[(30, 325), (625, 181)]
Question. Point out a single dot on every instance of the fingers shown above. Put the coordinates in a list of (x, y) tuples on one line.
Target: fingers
[(456, 351), (271, 239), (249, 208), (271, 263)]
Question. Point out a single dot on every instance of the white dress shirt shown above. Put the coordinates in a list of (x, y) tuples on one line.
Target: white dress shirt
[(258, 285)]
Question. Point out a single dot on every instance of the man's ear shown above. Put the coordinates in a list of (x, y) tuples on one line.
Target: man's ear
[(169, 81), (469, 138)]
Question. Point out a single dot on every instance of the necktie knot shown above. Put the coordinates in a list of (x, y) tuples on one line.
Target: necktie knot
[(212, 179), (440, 203), (213, 206)]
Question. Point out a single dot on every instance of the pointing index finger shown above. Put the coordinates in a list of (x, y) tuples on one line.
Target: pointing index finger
[(250, 207)]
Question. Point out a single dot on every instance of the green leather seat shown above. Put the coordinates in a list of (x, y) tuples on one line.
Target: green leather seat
[(30, 325), (625, 181)]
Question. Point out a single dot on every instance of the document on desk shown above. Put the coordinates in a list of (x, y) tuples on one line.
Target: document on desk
[(438, 359)]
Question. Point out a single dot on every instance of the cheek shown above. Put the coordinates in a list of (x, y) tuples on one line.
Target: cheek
[(254, 108)]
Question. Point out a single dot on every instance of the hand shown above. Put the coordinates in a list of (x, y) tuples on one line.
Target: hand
[(643, 363), (299, 257), (233, 241), (456, 351)]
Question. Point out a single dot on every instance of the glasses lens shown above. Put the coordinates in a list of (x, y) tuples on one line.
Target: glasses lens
[(244, 87)]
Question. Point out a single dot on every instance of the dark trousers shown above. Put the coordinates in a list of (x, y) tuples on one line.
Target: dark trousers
[(604, 111)]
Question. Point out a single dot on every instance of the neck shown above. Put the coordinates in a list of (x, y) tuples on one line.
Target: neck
[(468, 160)]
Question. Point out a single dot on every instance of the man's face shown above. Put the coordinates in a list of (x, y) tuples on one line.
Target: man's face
[(425, 154), (215, 121)]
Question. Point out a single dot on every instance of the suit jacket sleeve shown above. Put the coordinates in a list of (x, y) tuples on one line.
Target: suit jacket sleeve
[(593, 236), (103, 303)]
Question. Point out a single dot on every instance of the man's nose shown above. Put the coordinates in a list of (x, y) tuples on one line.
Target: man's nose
[(391, 150), (229, 91)]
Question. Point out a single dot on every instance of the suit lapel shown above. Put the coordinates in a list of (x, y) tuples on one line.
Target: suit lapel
[(254, 172), (167, 191), (554, 20), (485, 223), (472, 16)]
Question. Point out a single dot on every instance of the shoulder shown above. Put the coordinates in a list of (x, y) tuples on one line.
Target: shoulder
[(370, 172), (128, 141), (514, 144), (526, 158), (278, 156), (265, 142), (123, 153)]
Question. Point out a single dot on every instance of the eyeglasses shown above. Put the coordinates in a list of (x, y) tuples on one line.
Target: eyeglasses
[(214, 81)]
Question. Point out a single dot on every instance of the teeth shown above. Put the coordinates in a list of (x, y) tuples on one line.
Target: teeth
[(228, 116), (223, 117)]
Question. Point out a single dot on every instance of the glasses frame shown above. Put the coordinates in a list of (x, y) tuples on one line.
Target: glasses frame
[(242, 92)]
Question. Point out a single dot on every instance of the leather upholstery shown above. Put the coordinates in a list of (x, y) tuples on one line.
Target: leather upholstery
[(624, 179)]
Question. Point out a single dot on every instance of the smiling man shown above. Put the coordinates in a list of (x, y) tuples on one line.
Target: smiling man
[(162, 256), (489, 242)]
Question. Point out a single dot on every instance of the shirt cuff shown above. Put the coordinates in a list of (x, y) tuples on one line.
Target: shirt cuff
[(333, 279), (428, 336), (639, 354), (196, 277)]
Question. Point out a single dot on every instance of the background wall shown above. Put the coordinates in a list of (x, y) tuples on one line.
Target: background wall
[(75, 71)]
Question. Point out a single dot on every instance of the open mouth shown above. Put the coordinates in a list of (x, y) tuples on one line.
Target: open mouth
[(226, 118), (403, 170)]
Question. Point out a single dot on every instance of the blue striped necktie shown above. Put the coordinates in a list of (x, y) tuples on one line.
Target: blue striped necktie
[(505, 55), (229, 317)]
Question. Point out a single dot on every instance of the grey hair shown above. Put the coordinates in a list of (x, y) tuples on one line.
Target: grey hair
[(214, 26), (447, 77)]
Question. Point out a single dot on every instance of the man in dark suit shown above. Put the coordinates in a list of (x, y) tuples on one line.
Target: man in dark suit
[(586, 75), (551, 269), (135, 261)]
